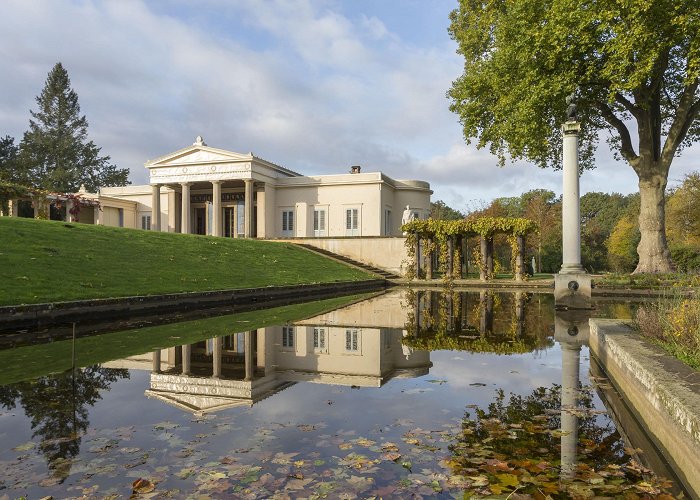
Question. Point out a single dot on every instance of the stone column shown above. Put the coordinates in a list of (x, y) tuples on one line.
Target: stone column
[(571, 218), (185, 216), (156, 361), (155, 204), (248, 226), (216, 355), (69, 207), (216, 216), (429, 261), (248, 350), (186, 359), (519, 270), (417, 250)]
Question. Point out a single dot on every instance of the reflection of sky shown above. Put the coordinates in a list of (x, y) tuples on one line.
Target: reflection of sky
[(456, 380)]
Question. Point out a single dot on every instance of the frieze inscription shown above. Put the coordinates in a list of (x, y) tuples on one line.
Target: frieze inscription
[(206, 197)]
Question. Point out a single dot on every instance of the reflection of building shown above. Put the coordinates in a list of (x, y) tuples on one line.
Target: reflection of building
[(359, 345)]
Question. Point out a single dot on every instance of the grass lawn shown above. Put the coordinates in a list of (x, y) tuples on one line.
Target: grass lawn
[(48, 261), (29, 362)]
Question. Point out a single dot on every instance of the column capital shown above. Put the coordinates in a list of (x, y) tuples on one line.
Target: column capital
[(216, 181), (571, 128), (188, 184)]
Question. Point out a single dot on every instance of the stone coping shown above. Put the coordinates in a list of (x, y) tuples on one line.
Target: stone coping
[(663, 393), (47, 314)]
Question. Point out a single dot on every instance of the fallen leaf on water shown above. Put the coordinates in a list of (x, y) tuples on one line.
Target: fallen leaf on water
[(143, 486)]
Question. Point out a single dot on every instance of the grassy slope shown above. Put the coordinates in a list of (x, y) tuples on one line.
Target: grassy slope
[(46, 261), (25, 363)]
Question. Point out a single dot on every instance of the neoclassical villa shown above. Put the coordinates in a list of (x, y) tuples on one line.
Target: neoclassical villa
[(205, 190)]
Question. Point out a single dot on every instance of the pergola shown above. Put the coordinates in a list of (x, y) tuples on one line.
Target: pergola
[(448, 238)]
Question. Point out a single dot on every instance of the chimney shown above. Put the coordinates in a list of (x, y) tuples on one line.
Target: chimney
[(355, 169)]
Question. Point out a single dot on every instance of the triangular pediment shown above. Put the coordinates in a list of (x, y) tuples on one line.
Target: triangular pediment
[(198, 403), (194, 155)]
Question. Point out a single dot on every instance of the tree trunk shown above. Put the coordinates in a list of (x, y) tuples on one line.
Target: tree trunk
[(654, 256)]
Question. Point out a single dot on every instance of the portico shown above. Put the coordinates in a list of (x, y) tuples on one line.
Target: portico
[(212, 191)]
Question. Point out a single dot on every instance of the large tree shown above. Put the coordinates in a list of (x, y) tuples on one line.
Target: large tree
[(56, 151), (634, 65)]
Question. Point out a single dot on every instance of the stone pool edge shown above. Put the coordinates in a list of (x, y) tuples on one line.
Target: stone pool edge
[(46, 314), (663, 392)]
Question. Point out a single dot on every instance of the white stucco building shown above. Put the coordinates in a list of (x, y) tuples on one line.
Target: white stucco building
[(205, 190)]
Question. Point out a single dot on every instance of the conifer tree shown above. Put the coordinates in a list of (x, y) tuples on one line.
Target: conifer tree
[(55, 150)]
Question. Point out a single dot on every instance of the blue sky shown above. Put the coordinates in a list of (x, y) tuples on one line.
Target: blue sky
[(313, 85)]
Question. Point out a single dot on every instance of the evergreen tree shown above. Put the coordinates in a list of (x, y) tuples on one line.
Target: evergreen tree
[(9, 166), (55, 150)]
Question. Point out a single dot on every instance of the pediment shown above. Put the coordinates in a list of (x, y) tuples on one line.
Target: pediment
[(197, 155), (198, 403)]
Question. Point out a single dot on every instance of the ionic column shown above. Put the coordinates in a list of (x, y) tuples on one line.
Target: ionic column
[(248, 350), (155, 204), (570, 210), (216, 354), (185, 216), (216, 198), (156, 361), (186, 358), (248, 227)]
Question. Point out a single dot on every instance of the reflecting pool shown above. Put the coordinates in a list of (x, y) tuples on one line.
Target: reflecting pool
[(404, 394)]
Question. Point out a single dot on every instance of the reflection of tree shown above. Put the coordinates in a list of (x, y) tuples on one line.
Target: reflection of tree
[(58, 408), (514, 444)]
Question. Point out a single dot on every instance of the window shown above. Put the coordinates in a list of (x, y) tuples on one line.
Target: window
[(287, 222), (146, 222), (352, 340), (288, 336), (319, 339), (387, 222), (352, 216), (121, 217), (320, 222)]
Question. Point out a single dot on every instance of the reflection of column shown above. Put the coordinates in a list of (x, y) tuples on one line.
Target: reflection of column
[(486, 306), (520, 312), (570, 358), (418, 311), (248, 355), (216, 355), (216, 216), (186, 358), (156, 361), (155, 207), (185, 216), (248, 216)]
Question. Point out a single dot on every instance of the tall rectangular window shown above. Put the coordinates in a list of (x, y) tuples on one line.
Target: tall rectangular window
[(319, 339), (288, 336), (320, 222), (120, 211), (387, 222), (146, 222), (352, 341), (288, 223), (352, 222)]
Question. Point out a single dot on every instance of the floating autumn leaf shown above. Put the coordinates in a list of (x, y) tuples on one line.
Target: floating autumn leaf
[(391, 456), (141, 486)]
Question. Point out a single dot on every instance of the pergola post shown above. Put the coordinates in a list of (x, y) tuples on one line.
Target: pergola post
[(519, 270), (429, 263), (483, 266), (450, 255), (418, 256), (489, 256)]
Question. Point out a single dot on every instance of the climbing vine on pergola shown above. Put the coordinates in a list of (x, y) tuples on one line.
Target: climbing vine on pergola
[(446, 237)]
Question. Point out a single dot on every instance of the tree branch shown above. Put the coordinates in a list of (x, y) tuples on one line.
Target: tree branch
[(686, 112), (626, 148), (628, 105)]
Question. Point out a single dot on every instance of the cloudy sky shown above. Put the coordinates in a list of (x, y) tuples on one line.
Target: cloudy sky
[(313, 85)]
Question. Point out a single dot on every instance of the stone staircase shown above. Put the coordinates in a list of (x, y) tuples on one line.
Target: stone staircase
[(351, 262)]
